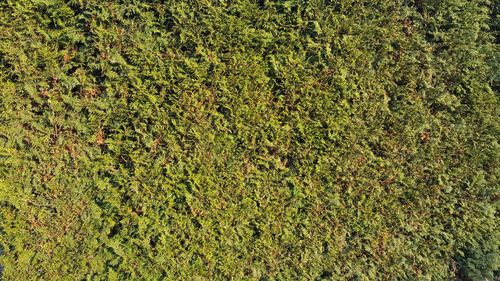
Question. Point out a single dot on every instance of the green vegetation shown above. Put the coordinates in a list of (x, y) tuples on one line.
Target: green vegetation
[(249, 140)]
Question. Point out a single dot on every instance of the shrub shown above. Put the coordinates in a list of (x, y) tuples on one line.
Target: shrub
[(261, 140)]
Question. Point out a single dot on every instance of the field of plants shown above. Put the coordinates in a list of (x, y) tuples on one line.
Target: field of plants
[(249, 140)]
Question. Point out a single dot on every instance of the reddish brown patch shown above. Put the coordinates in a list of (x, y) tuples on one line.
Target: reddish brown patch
[(54, 81), (425, 136), (66, 57), (100, 137), (45, 93), (91, 92), (408, 27)]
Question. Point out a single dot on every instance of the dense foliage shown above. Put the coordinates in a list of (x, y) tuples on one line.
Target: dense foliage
[(256, 140)]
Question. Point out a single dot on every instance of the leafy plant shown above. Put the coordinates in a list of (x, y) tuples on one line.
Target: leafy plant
[(259, 140)]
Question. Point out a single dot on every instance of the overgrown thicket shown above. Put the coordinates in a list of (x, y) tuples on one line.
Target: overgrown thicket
[(254, 140)]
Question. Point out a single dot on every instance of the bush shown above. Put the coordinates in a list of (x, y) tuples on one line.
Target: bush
[(260, 140)]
